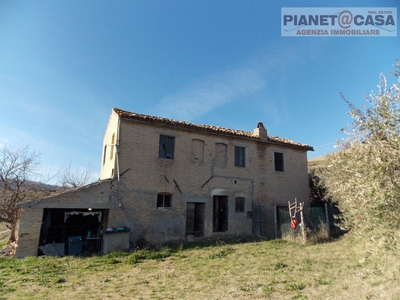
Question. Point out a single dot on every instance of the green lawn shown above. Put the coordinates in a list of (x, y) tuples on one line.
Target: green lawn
[(274, 269)]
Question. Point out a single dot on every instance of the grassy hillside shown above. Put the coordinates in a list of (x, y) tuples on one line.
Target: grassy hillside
[(258, 270), (317, 161)]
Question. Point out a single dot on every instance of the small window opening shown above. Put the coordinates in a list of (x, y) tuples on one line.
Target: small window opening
[(239, 204), (164, 200), (279, 162), (104, 155), (112, 146)]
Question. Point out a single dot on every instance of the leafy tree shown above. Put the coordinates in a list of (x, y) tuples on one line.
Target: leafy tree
[(363, 176)]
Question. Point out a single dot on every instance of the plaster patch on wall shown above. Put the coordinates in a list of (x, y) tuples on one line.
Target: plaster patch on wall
[(216, 192)]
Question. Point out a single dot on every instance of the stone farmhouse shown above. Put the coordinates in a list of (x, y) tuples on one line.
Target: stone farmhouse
[(163, 180)]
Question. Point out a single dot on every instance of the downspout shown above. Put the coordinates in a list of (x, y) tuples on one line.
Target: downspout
[(117, 161)]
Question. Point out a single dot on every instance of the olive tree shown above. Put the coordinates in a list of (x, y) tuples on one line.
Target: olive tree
[(363, 176)]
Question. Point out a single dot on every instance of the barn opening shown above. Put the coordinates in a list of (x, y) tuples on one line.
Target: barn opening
[(72, 231)]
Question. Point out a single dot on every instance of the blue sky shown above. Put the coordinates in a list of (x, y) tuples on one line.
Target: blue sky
[(65, 64)]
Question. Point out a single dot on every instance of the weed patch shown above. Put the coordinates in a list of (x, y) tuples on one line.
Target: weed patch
[(295, 287), (280, 265), (141, 255), (221, 254), (321, 281)]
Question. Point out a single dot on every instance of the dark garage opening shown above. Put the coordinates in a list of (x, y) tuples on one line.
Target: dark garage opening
[(72, 232)]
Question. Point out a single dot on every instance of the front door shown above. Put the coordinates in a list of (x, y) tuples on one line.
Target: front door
[(195, 218), (220, 213)]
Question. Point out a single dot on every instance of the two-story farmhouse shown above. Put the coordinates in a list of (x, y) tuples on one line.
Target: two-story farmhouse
[(164, 180)]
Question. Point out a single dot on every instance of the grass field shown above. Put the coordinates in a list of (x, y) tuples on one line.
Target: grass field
[(274, 269)]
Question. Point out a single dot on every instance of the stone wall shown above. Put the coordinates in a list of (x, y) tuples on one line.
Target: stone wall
[(196, 174)]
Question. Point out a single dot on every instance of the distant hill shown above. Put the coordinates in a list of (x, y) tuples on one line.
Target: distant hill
[(317, 161), (46, 186), (40, 185)]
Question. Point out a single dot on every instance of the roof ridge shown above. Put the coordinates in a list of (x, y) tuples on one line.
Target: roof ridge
[(144, 117), (209, 128)]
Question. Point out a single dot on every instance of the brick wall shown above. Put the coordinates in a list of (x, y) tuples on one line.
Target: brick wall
[(29, 232), (196, 175)]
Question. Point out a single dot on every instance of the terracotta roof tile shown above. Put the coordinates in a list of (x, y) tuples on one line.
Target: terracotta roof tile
[(208, 128)]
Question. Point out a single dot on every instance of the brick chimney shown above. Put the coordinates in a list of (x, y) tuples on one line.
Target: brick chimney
[(260, 131)]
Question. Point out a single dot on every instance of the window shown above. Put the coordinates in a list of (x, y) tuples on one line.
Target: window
[(240, 156), (166, 147), (239, 204), (104, 156), (278, 159), (164, 200), (112, 146)]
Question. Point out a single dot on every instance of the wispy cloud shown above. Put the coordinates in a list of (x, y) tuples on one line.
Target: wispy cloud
[(274, 63), (213, 91)]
